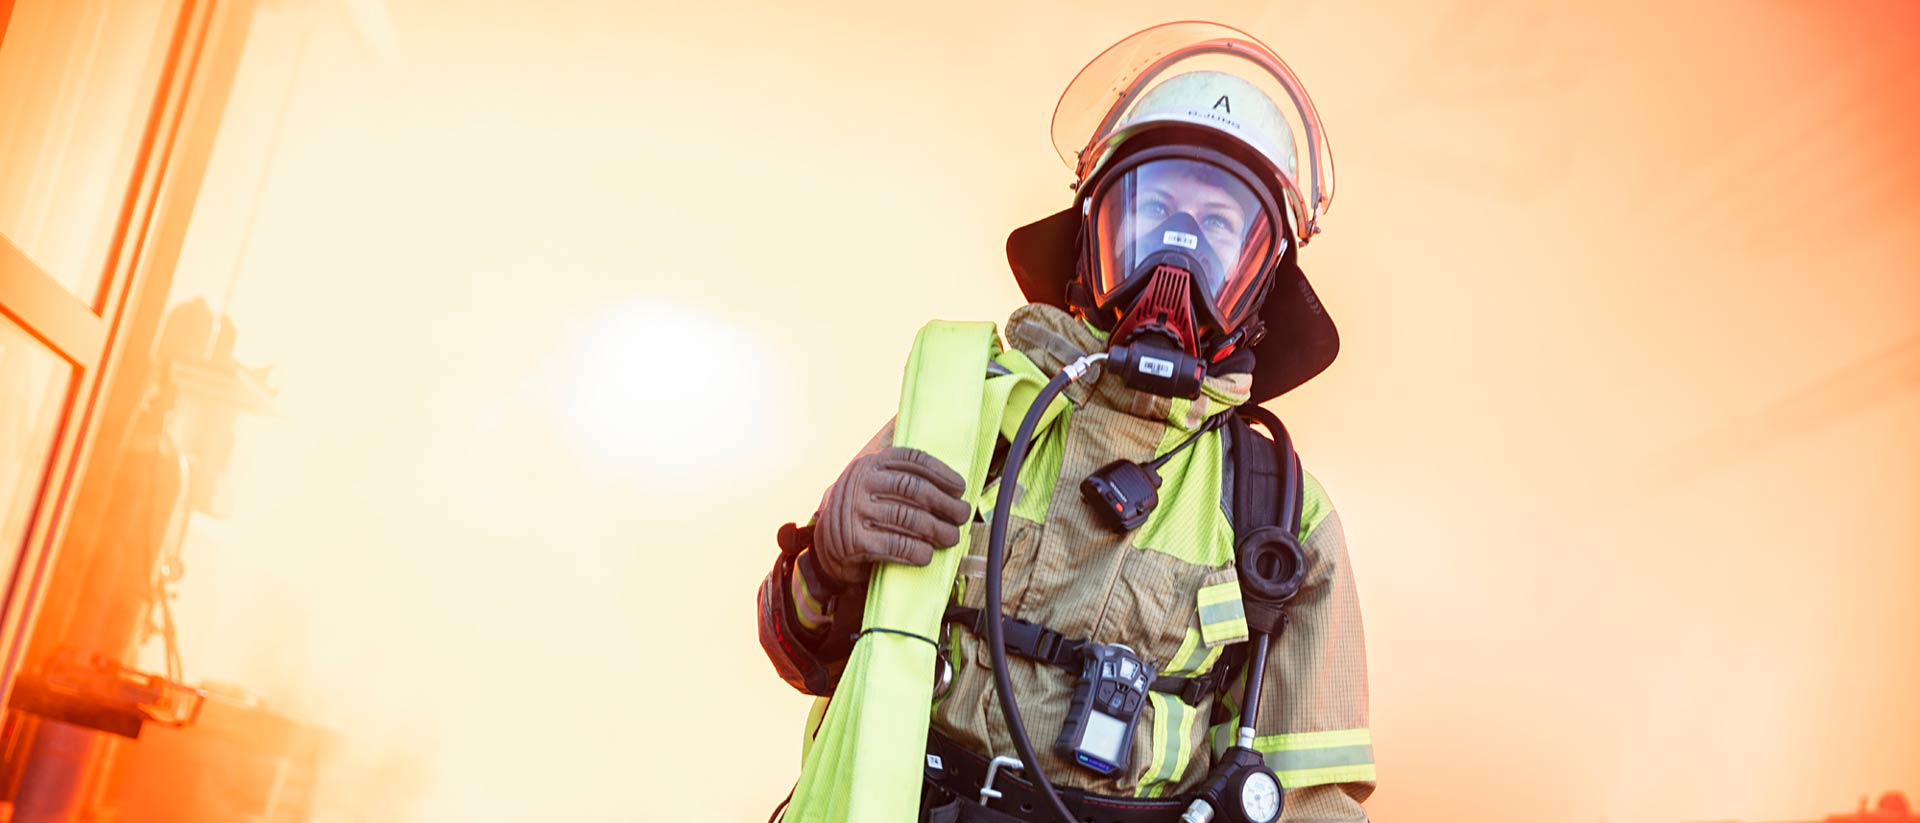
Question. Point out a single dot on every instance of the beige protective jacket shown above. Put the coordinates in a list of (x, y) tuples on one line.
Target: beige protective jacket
[(1168, 590)]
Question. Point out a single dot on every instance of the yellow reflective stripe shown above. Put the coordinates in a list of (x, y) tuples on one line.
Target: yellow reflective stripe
[(1293, 761), (811, 611), (1182, 739), (1182, 658), (1219, 593), (1226, 734), (1172, 728), (1147, 787), (1193, 658), (1222, 616), (1221, 735), (1314, 758), (1302, 778), (1213, 656), (1313, 740)]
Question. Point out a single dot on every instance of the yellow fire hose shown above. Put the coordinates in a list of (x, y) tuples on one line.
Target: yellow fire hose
[(863, 763)]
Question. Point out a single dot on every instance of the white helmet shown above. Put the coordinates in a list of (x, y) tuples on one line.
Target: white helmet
[(1205, 75), (1158, 126), (1216, 100)]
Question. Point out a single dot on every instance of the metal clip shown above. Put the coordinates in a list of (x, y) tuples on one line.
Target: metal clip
[(987, 791), (942, 674)]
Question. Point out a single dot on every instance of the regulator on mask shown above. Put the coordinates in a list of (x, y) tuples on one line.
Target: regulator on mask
[(1159, 355)]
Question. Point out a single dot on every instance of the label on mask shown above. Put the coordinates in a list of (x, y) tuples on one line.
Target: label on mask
[(1181, 239), (1155, 366)]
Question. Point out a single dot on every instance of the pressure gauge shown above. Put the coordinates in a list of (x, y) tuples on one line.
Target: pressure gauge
[(1240, 789), (1260, 797)]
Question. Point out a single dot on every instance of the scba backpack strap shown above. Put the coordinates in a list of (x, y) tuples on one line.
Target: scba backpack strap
[(1268, 496), (1265, 471)]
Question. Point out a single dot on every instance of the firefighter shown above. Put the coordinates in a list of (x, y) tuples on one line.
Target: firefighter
[(1201, 170)]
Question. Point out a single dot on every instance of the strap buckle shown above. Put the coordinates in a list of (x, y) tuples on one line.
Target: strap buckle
[(1026, 639), (1199, 688)]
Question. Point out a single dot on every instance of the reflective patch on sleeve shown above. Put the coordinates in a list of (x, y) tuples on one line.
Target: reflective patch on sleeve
[(1316, 758), (1302, 778), (1222, 617)]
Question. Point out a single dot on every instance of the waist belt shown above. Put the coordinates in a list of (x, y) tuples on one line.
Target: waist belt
[(1036, 642), (961, 773)]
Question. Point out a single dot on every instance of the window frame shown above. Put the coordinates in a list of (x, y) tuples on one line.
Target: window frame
[(107, 340)]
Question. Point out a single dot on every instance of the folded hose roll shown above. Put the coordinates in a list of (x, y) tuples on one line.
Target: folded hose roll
[(864, 762)]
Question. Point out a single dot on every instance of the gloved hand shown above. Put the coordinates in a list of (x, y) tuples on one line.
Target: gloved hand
[(898, 505)]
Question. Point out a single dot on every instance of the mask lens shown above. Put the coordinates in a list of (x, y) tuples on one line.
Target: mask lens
[(1185, 213)]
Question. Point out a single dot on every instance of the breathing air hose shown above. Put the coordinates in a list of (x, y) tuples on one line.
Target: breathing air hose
[(996, 564)]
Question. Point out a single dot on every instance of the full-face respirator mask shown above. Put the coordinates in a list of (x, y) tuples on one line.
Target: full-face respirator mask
[(1178, 249)]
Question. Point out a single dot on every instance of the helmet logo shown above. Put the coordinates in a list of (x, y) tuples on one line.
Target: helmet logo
[(1223, 103)]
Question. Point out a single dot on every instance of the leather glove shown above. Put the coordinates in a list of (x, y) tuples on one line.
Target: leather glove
[(897, 505)]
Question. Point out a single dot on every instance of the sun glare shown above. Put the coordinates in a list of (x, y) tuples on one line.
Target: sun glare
[(656, 386)]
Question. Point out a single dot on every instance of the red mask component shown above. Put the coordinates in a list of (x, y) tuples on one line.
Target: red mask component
[(1165, 307), (1156, 345)]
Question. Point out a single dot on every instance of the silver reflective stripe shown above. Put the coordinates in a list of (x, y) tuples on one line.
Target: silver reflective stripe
[(1192, 661), (1171, 739), (1170, 720), (1192, 656), (1222, 612), (1299, 759), (1222, 735)]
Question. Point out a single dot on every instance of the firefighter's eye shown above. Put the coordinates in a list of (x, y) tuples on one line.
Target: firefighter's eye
[(1222, 223)]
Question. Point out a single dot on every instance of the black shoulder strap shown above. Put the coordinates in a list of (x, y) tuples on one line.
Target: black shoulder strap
[(1264, 472), (1267, 500)]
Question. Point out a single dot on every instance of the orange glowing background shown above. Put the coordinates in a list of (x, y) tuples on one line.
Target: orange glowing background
[(572, 304)]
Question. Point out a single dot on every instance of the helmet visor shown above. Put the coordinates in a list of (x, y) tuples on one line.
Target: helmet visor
[(1185, 213)]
